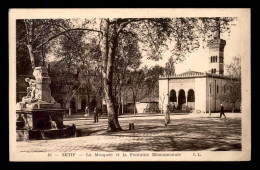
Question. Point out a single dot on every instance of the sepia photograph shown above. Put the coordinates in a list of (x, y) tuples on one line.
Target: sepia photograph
[(129, 84)]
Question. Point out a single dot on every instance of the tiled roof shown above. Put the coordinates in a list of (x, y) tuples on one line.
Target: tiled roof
[(185, 74), (190, 73)]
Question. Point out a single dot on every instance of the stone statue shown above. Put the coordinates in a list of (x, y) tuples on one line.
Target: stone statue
[(38, 92), (30, 91)]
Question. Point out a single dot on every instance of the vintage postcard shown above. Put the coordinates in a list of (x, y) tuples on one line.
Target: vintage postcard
[(130, 84)]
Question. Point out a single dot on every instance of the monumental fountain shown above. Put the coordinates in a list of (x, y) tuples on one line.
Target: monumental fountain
[(38, 115)]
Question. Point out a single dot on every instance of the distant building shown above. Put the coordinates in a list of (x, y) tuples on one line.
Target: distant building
[(143, 105), (198, 90), (74, 91)]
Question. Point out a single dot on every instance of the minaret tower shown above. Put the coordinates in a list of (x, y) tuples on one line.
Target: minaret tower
[(216, 52)]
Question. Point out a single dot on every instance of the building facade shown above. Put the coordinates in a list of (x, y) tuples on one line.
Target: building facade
[(77, 93), (199, 91)]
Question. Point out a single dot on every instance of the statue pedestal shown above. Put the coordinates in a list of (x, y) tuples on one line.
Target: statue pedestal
[(43, 81), (37, 124), (35, 118), (38, 115)]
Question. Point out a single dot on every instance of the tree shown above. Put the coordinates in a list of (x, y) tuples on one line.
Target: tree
[(169, 67), (136, 83), (128, 58), (232, 88), (153, 33), (162, 98), (23, 63), (39, 33), (151, 81), (83, 57), (64, 84)]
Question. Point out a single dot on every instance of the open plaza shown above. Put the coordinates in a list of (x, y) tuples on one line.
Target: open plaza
[(186, 132)]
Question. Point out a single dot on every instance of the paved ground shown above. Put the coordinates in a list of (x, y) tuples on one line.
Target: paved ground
[(184, 133)]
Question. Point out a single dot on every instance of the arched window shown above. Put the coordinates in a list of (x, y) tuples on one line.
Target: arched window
[(73, 105), (173, 96), (83, 104), (191, 96), (181, 97)]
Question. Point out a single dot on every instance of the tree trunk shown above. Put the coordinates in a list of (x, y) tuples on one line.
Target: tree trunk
[(118, 108), (149, 105), (122, 101), (31, 54), (162, 106), (29, 24), (108, 55), (119, 102), (134, 105), (113, 123), (120, 97), (88, 91)]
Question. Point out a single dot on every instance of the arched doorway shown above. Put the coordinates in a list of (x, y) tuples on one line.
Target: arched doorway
[(83, 104), (93, 104), (173, 96), (181, 98), (73, 106), (191, 96), (191, 99)]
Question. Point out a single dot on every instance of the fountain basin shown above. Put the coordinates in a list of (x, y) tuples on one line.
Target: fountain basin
[(44, 123)]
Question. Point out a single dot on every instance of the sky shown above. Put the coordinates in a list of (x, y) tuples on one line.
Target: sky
[(198, 60)]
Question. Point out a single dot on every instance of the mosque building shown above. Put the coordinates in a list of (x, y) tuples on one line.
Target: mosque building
[(198, 90)]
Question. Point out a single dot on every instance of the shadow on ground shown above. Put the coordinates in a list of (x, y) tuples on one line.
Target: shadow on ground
[(186, 134), (182, 135)]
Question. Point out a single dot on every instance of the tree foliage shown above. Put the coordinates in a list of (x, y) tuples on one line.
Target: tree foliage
[(151, 35), (169, 67), (23, 62), (232, 89)]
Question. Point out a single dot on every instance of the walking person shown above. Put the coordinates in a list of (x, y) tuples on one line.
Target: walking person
[(167, 116), (86, 112), (69, 112), (95, 112), (222, 111)]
